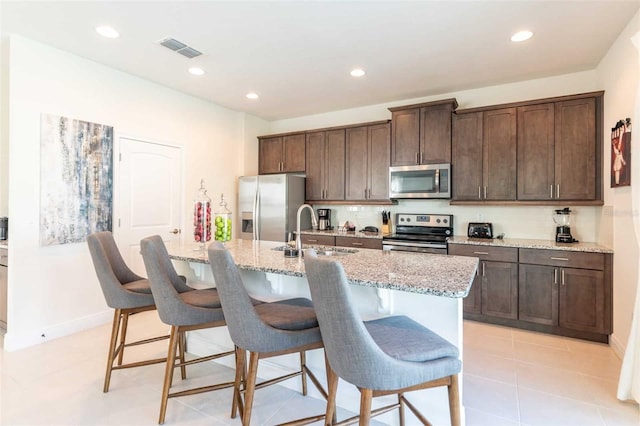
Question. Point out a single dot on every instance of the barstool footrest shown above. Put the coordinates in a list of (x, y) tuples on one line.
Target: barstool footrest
[(139, 363), (201, 389)]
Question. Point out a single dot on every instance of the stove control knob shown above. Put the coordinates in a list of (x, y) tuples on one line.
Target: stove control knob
[(445, 220), (408, 219), (447, 232), (438, 221)]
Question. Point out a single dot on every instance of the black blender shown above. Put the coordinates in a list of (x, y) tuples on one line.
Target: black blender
[(563, 230)]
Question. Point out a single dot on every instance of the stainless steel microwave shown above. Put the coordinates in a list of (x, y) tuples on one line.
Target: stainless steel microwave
[(423, 181)]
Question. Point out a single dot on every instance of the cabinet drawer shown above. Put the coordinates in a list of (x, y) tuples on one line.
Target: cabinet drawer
[(498, 254), (569, 259), (4, 257), (370, 243), (323, 240)]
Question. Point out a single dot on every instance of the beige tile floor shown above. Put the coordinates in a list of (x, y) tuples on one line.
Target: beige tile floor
[(512, 377)]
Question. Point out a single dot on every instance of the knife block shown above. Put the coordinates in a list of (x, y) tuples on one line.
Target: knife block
[(386, 228)]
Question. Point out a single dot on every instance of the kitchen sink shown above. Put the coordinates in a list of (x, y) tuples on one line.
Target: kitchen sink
[(323, 250)]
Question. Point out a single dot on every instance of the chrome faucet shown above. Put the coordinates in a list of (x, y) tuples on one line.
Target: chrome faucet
[(314, 223)]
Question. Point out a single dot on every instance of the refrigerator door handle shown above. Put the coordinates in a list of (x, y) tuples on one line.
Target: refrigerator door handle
[(255, 215)]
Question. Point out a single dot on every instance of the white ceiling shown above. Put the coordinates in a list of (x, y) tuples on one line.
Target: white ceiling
[(297, 55)]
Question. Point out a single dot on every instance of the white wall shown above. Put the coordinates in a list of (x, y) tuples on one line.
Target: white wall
[(4, 125), (53, 290), (618, 75)]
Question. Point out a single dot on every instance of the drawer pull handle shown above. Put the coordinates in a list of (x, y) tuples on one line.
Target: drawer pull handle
[(480, 252), (356, 244), (313, 241), (560, 258)]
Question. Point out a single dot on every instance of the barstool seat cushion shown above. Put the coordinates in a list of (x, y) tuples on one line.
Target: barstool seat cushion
[(298, 314), (139, 286), (404, 339), (206, 298)]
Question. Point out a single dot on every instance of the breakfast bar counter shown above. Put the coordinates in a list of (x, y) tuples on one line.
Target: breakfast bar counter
[(429, 288)]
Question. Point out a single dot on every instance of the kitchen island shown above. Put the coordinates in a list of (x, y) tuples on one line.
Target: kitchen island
[(427, 287)]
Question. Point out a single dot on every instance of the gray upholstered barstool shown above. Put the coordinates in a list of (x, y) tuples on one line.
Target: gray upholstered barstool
[(265, 330), (386, 356), (124, 291), (183, 311)]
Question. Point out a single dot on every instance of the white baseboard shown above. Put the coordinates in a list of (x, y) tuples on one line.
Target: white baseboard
[(14, 341), (618, 347)]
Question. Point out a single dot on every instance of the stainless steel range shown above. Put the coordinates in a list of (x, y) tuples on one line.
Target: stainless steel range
[(424, 233)]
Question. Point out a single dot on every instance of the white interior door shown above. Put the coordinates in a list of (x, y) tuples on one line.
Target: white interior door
[(149, 196)]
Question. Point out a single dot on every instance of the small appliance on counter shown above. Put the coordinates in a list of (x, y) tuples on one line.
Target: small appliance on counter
[(4, 228), (480, 230), (563, 230), (324, 219)]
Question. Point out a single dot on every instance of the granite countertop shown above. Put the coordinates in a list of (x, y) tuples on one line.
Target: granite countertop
[(4, 244), (434, 274), (530, 243), (336, 233)]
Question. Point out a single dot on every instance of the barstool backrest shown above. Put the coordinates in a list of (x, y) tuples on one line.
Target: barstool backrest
[(246, 328), (352, 352), (164, 281), (113, 272)]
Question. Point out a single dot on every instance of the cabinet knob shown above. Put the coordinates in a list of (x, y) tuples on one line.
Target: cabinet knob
[(174, 231)]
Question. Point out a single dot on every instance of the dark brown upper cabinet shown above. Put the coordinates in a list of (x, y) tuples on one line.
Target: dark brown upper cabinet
[(484, 155), (421, 133), (281, 154), (555, 155), (367, 162), (325, 154)]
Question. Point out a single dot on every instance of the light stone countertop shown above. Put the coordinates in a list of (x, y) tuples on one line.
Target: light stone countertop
[(434, 274), (530, 243), (4, 244), (335, 233)]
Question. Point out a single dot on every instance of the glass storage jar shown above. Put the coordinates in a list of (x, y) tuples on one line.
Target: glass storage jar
[(202, 216), (222, 222)]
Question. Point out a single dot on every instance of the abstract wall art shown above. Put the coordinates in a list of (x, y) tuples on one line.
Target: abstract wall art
[(76, 179)]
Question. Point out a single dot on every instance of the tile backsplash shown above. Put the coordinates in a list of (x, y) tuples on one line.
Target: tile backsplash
[(514, 221)]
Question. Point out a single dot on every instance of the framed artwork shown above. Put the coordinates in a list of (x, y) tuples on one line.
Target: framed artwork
[(621, 153), (76, 179)]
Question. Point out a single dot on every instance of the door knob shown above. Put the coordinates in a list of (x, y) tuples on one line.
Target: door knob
[(175, 231)]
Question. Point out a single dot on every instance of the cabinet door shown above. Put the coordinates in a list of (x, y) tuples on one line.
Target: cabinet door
[(293, 153), (466, 156), (538, 294), (536, 152), (270, 155), (582, 300), (472, 304), (334, 164), (379, 157), (356, 163), (499, 154), (315, 159), (435, 134), (405, 139), (500, 289), (575, 149)]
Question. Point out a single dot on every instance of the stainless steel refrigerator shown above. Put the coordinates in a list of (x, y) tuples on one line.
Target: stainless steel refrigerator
[(268, 205)]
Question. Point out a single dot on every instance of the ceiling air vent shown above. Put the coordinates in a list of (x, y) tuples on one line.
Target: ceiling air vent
[(179, 47)]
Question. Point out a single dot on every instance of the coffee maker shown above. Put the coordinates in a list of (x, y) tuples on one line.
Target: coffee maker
[(324, 219), (563, 230)]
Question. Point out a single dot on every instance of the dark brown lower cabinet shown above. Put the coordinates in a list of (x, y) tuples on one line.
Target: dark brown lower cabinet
[(500, 289), (560, 292), (538, 294)]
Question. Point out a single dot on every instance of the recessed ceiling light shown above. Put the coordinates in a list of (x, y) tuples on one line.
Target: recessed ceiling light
[(107, 31), (358, 72), (252, 95), (196, 71), (521, 36)]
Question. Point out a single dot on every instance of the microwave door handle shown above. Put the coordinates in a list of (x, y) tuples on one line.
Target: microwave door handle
[(437, 180)]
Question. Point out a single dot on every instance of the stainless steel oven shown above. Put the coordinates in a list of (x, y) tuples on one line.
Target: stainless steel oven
[(422, 233)]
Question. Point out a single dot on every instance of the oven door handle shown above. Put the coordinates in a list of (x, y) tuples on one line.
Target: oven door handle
[(413, 244)]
